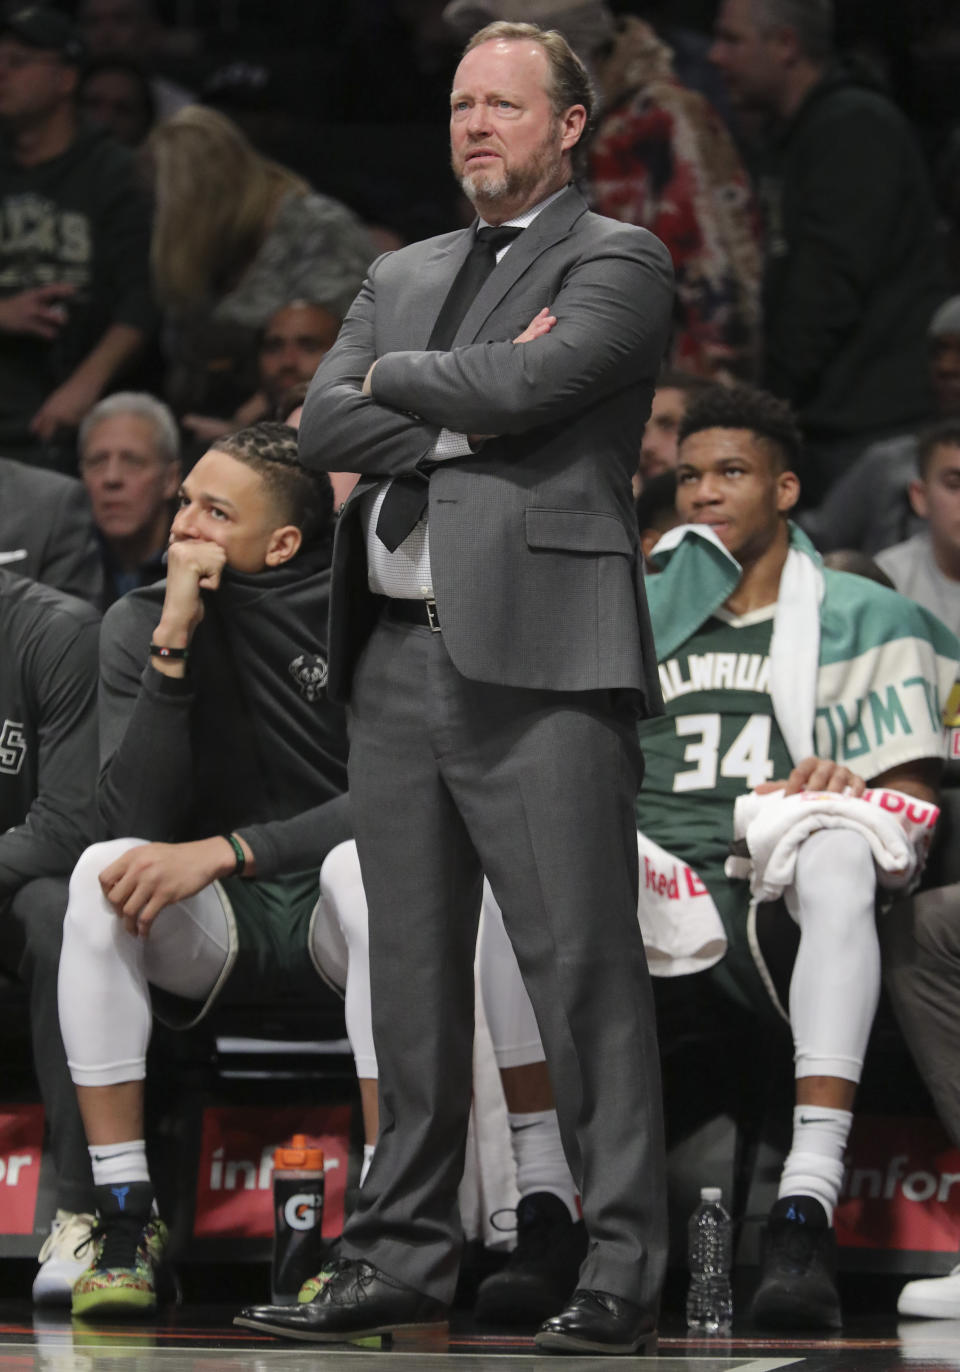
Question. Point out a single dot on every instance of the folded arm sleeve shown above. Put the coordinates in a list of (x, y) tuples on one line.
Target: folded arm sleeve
[(613, 315), (342, 430), (302, 842)]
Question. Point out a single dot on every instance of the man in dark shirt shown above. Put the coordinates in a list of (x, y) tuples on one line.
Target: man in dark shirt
[(851, 275), (75, 304), (48, 763), (220, 753)]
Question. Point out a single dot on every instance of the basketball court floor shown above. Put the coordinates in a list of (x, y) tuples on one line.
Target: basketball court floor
[(202, 1338)]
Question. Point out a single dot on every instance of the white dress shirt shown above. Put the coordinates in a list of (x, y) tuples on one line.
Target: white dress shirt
[(405, 573)]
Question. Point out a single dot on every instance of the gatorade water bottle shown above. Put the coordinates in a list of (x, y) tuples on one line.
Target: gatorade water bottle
[(298, 1251)]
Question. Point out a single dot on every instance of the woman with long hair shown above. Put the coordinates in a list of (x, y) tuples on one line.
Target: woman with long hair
[(236, 236)]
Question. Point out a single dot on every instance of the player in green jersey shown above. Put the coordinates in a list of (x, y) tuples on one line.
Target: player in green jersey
[(775, 670)]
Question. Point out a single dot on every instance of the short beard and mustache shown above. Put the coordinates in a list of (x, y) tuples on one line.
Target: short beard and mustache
[(515, 183)]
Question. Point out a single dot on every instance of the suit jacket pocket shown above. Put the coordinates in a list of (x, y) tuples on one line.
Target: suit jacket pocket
[(576, 531)]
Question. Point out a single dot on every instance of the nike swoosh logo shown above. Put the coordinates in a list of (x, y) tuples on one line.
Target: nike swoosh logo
[(104, 1157), (519, 1128), (815, 1119)]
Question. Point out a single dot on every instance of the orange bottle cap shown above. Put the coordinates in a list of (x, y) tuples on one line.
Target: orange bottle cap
[(298, 1155)]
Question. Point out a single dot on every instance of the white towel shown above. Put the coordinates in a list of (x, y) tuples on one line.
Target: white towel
[(681, 926), (898, 828), (795, 652)]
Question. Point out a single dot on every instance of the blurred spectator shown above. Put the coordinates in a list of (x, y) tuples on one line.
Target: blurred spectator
[(115, 94), (130, 464), (295, 340), (852, 263), (236, 237), (691, 49), (75, 305), (47, 531), (927, 566), (658, 450), (868, 507), (662, 158), (857, 564), (130, 29)]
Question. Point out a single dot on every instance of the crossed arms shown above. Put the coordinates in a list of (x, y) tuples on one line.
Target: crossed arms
[(612, 311)]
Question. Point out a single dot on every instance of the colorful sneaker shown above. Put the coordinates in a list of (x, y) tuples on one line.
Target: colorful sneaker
[(314, 1285), (65, 1254), (129, 1245), (798, 1282)]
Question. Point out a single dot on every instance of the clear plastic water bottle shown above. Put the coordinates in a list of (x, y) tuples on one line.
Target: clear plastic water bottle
[(710, 1252)]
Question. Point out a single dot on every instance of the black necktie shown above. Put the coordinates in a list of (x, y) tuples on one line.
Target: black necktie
[(406, 497)]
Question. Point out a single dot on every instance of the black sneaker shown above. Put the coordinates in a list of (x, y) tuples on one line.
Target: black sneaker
[(541, 1273), (798, 1281)]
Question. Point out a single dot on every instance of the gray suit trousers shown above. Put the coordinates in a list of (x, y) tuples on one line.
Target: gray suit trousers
[(920, 945), (450, 778)]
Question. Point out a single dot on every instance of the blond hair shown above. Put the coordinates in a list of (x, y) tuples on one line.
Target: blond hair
[(569, 80), (216, 197)]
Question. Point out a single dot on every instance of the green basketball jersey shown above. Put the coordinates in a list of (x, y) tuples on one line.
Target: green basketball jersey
[(717, 739)]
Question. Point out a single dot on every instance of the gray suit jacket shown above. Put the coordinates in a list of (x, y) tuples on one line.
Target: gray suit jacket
[(47, 531), (533, 540)]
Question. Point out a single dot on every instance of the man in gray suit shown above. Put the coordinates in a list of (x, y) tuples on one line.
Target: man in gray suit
[(490, 635)]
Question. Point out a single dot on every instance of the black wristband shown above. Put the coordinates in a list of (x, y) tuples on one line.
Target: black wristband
[(172, 654), (237, 847)]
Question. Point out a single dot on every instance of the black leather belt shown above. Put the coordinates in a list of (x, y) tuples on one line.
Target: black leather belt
[(413, 612)]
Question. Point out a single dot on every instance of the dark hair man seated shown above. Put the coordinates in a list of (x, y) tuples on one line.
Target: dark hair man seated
[(222, 764)]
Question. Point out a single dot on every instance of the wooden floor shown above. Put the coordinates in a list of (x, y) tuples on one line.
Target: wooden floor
[(202, 1338)]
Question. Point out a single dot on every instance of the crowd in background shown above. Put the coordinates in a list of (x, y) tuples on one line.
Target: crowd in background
[(201, 172)]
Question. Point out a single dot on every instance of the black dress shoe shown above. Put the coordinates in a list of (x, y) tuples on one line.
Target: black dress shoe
[(355, 1301), (596, 1322)]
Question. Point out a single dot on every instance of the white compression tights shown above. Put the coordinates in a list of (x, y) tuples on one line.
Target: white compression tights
[(105, 972), (833, 992), (835, 982), (836, 978), (513, 1028)]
